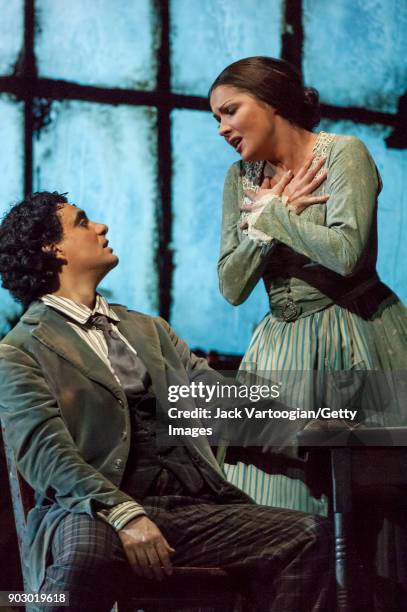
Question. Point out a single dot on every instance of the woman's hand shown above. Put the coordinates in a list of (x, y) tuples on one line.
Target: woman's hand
[(296, 191)]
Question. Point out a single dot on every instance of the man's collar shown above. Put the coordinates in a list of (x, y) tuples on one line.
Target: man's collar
[(79, 312)]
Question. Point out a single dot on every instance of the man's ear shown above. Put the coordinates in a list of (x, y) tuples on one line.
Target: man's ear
[(52, 248)]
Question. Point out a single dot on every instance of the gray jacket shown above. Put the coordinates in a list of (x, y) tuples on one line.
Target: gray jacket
[(67, 419)]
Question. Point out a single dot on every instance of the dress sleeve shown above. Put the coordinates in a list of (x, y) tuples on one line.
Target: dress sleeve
[(353, 184), (242, 260)]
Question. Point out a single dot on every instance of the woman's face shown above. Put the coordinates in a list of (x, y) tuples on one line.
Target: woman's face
[(247, 124)]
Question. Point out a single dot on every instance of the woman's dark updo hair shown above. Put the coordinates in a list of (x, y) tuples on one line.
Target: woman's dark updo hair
[(277, 83)]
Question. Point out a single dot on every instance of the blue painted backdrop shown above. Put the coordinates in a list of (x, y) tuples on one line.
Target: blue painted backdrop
[(105, 156)]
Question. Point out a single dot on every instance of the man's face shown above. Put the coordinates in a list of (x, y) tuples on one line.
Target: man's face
[(84, 245)]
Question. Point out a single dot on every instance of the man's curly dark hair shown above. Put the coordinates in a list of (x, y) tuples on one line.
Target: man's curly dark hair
[(27, 270)]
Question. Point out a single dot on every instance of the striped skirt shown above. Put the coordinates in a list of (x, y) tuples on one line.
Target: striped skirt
[(334, 340)]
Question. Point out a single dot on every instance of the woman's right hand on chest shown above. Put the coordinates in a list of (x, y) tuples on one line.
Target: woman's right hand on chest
[(296, 191)]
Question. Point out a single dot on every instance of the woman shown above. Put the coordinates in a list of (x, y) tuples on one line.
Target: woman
[(300, 213)]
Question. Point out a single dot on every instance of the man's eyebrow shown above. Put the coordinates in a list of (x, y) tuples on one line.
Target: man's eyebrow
[(79, 216)]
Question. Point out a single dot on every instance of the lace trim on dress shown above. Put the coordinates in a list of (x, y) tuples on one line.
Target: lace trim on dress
[(321, 148), (253, 172)]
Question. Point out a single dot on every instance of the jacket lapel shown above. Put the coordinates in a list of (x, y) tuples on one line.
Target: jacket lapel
[(140, 332), (53, 331)]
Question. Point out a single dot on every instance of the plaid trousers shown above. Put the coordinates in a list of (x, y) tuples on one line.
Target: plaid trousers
[(285, 556)]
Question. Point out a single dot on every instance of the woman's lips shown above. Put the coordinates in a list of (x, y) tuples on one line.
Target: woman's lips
[(235, 142), (239, 147)]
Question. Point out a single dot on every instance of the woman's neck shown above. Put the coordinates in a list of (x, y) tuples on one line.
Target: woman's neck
[(293, 147)]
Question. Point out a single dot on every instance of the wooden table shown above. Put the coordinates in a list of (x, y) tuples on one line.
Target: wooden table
[(363, 459)]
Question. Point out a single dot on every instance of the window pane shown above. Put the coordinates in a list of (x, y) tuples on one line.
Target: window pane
[(11, 190), (11, 34), (207, 36), (105, 157), (392, 217), (354, 52), (103, 43), (200, 314)]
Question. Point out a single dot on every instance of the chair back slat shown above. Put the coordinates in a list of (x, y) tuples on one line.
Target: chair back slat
[(22, 496)]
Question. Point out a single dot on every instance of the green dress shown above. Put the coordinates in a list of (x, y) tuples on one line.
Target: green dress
[(329, 311)]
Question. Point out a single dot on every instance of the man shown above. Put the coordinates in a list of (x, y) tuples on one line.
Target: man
[(80, 380)]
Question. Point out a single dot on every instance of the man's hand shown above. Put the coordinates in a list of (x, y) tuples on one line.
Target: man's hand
[(146, 548)]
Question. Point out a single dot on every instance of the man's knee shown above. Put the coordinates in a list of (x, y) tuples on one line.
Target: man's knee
[(88, 562), (86, 544)]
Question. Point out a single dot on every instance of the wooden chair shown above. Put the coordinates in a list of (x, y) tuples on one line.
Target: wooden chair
[(22, 495), (188, 587)]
